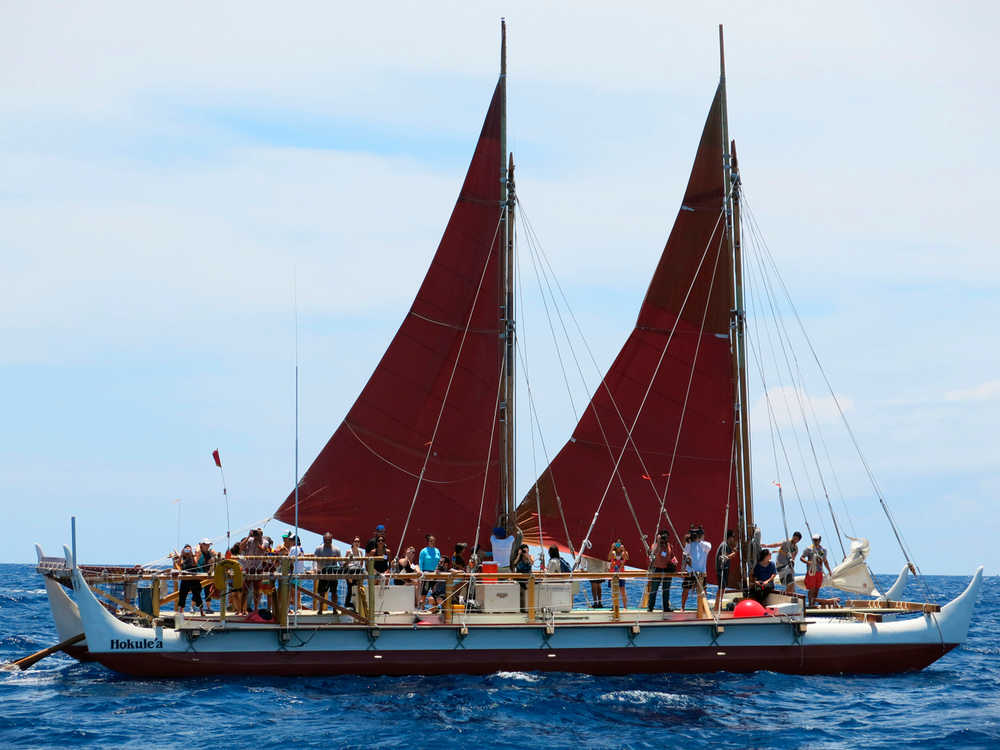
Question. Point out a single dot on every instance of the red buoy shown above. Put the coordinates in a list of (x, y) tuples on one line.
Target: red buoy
[(749, 608)]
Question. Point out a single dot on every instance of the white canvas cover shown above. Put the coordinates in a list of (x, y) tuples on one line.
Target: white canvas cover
[(852, 575)]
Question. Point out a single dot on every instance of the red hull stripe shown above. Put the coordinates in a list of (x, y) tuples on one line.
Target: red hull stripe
[(879, 659)]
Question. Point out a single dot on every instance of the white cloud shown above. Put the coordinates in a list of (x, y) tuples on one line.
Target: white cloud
[(982, 392)]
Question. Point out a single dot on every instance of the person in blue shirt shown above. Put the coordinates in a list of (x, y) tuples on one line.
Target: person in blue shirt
[(430, 557), (764, 573)]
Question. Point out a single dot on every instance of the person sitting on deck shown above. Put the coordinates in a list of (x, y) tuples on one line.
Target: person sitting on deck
[(326, 586), (696, 562), (814, 557), (406, 564), (661, 562), (788, 550), (439, 588), (764, 574), (458, 559), (187, 564), (617, 557)]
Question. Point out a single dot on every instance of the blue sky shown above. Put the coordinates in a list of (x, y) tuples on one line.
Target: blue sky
[(167, 176)]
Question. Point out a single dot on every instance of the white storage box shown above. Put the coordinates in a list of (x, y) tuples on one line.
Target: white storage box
[(555, 596), (498, 597), (400, 601)]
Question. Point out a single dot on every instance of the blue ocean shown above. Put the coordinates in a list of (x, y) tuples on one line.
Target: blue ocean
[(955, 703)]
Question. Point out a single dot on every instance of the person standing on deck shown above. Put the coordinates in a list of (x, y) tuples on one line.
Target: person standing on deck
[(788, 550), (696, 558), (723, 556), (206, 560), (617, 557), (502, 546), (662, 562), (593, 565), (815, 558), (355, 567), (326, 567), (188, 565), (370, 545)]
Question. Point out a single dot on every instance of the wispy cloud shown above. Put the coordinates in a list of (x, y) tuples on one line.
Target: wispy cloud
[(982, 392)]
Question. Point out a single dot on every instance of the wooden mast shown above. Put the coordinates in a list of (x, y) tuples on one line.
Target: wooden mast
[(741, 341), (744, 497), (508, 378)]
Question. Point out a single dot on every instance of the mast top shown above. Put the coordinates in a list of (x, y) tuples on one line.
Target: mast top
[(503, 46), (722, 55)]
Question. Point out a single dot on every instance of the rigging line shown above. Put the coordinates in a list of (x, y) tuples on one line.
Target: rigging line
[(545, 455), (756, 351), (843, 416), (754, 339), (687, 392), (768, 256), (601, 379), (534, 249), (489, 454), (552, 330), (523, 354), (656, 371), (784, 396), (396, 466), (798, 386), (451, 376)]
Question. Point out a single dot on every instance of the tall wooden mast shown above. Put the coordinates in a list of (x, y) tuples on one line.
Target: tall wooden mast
[(744, 492), (508, 377)]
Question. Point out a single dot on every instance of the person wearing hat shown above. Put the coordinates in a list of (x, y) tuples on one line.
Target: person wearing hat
[(379, 532), (814, 557), (501, 546), (206, 559), (186, 563)]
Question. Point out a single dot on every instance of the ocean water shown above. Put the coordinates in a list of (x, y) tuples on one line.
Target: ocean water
[(955, 703)]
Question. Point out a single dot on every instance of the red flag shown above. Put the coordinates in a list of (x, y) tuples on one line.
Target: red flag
[(218, 461), (647, 477)]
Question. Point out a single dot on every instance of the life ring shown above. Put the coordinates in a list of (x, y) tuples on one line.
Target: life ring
[(222, 567)]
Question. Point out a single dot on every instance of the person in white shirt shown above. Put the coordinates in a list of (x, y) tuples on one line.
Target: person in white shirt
[(502, 545), (695, 562)]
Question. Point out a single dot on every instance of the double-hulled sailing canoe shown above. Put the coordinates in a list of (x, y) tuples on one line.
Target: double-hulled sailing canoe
[(428, 448)]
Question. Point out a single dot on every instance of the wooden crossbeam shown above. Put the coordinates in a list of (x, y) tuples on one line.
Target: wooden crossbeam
[(902, 606)]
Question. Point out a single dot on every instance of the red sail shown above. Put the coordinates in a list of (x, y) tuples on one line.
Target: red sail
[(444, 363), (688, 302)]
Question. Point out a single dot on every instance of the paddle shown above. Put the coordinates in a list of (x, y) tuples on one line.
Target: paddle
[(29, 661)]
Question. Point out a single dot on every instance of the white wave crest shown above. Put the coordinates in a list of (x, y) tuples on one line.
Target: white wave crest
[(520, 676)]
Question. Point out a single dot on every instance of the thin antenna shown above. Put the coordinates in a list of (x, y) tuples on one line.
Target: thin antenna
[(72, 526), (225, 494), (295, 297)]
